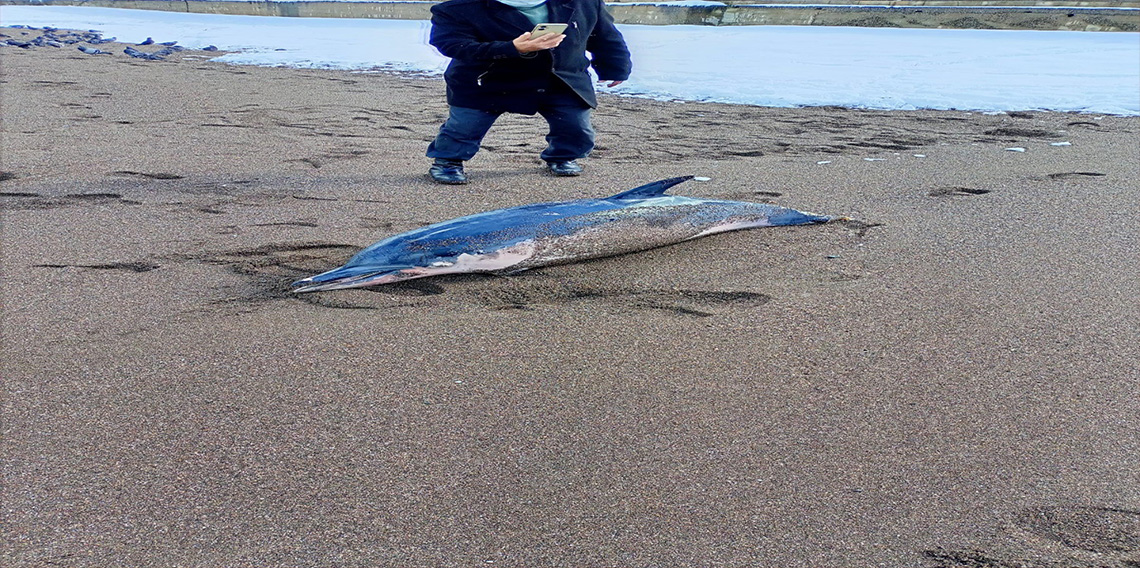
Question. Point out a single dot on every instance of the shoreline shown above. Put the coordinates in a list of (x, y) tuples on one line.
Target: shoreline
[(934, 85), (1108, 16)]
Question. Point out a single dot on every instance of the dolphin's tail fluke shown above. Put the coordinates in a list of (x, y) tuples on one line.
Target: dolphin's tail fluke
[(784, 217), (655, 189)]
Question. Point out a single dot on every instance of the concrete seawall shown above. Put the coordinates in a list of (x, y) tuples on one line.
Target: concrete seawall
[(1103, 15)]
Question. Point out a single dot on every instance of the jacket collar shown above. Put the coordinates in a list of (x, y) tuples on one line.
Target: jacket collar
[(507, 14), (560, 11)]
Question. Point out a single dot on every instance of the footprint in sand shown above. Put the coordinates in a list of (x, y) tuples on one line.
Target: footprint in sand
[(132, 266), (957, 190), (148, 175), (1072, 175), (1103, 530), (22, 200), (1069, 536)]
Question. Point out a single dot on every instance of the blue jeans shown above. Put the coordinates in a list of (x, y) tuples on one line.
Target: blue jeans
[(571, 135)]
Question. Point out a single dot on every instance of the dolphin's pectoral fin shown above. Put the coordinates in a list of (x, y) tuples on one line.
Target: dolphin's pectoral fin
[(496, 261), (655, 189)]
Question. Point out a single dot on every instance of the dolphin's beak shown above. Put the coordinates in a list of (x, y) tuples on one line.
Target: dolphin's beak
[(320, 287), (328, 281)]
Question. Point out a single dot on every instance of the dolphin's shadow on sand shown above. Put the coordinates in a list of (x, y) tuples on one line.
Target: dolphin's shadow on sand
[(270, 269)]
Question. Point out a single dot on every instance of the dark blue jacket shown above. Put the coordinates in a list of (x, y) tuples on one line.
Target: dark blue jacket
[(487, 72)]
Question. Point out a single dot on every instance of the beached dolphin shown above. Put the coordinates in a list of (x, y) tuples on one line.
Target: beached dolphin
[(520, 238)]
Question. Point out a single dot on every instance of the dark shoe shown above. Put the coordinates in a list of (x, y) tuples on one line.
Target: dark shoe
[(567, 168), (449, 172)]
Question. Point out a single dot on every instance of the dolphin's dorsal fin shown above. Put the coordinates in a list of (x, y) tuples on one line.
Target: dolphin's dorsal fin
[(655, 189)]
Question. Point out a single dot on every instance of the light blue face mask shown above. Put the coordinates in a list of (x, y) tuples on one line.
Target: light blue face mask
[(522, 3)]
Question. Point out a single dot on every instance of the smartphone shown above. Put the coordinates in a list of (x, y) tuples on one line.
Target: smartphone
[(547, 29)]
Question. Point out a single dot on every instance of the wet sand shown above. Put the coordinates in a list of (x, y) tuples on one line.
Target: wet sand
[(950, 382)]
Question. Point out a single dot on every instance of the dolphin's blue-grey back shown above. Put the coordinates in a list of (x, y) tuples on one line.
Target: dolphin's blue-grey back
[(482, 231)]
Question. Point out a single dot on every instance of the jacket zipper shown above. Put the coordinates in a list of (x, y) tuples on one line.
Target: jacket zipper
[(479, 79)]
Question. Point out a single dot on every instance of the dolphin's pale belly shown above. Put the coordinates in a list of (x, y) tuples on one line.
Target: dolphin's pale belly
[(621, 231)]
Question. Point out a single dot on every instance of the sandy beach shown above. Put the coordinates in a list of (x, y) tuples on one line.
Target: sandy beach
[(950, 380)]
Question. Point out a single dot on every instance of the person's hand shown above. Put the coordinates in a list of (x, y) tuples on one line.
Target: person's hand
[(611, 83), (525, 44)]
